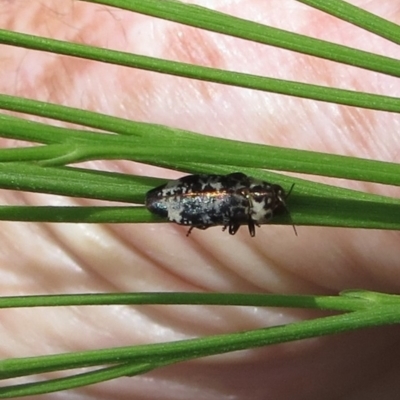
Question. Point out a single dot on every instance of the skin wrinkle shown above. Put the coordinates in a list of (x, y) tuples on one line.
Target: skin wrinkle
[(108, 252), (109, 286), (297, 283), (161, 315), (181, 281), (240, 275), (276, 272), (232, 280), (194, 47), (301, 370), (85, 266), (174, 319)]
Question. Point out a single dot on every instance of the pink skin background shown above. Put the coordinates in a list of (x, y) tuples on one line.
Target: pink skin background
[(62, 258)]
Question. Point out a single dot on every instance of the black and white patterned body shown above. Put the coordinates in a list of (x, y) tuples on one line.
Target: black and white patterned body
[(202, 201)]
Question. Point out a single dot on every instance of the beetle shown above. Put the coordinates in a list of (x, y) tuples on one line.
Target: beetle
[(202, 201)]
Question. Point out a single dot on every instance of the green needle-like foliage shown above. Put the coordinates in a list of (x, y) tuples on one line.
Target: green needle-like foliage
[(48, 167)]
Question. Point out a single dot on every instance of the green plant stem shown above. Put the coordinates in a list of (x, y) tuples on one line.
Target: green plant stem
[(313, 212), (215, 21), (70, 114), (156, 147), (76, 182), (87, 215), (304, 90), (75, 381), (68, 146), (359, 17), (373, 309), (206, 346), (357, 300)]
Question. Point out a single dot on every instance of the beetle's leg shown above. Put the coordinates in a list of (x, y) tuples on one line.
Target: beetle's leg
[(252, 227), (203, 227), (233, 227)]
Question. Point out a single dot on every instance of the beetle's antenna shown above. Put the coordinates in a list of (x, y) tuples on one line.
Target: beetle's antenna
[(283, 201)]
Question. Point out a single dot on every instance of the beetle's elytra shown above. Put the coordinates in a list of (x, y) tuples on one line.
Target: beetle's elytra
[(202, 201)]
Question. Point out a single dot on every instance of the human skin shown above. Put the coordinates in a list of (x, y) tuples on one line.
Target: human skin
[(57, 258)]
